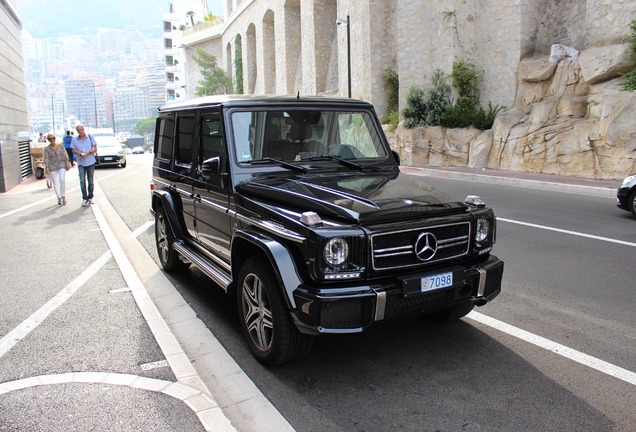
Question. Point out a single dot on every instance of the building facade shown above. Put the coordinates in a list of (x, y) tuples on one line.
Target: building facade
[(15, 164)]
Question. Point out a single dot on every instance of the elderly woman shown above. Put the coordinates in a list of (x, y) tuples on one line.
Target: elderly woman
[(56, 164)]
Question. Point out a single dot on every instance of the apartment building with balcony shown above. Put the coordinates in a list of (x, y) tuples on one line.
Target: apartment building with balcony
[(182, 14)]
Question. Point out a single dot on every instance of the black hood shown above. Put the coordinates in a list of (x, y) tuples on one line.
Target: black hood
[(362, 197)]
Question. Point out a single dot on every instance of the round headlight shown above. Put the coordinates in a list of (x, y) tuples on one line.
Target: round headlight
[(336, 251), (482, 230)]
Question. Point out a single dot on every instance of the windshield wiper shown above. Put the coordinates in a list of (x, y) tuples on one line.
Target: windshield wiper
[(334, 158), (280, 162)]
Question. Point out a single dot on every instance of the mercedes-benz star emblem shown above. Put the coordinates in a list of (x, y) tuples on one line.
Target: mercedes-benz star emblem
[(425, 246)]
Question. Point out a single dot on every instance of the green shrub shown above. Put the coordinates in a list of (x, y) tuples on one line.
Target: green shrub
[(435, 108), (484, 119), (426, 108), (630, 77), (392, 90), (466, 78), (392, 118)]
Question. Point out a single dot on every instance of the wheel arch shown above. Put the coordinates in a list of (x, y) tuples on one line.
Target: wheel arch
[(165, 200), (246, 245)]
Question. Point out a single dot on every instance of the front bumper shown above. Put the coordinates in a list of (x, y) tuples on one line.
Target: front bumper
[(111, 160), (622, 198), (352, 309)]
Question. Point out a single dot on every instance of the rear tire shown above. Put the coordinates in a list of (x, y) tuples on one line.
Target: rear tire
[(265, 319), (452, 314), (168, 257), (39, 173)]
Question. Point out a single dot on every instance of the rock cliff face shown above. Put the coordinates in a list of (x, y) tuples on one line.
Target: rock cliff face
[(569, 118)]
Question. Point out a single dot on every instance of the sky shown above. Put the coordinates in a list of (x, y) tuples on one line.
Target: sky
[(50, 18)]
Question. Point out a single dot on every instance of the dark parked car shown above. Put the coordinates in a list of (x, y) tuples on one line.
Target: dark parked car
[(626, 195), (298, 207)]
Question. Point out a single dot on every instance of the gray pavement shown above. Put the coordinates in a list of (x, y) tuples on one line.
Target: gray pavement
[(171, 394)]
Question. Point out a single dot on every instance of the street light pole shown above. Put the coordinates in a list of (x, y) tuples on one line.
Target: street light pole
[(349, 54), (52, 115), (95, 105)]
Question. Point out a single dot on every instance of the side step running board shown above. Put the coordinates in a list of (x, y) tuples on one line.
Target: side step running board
[(211, 270)]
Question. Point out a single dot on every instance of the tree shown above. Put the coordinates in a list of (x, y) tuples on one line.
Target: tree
[(214, 81), (146, 126), (191, 15)]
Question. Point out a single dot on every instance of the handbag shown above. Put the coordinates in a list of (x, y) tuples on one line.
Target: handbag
[(94, 144)]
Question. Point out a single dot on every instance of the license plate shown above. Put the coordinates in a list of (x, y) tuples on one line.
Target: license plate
[(108, 158), (437, 281)]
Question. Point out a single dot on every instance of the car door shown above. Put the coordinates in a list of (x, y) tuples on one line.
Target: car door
[(212, 189), (184, 168)]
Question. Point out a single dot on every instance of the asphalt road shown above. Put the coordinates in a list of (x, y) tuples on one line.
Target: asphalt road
[(569, 279), (555, 351)]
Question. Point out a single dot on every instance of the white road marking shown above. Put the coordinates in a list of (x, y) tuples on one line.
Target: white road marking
[(28, 206), (31, 323), (562, 350), (142, 228), (574, 233)]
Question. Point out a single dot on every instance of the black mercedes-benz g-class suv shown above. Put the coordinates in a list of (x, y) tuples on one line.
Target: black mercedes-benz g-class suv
[(298, 207)]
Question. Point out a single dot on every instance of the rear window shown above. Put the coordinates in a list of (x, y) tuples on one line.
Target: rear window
[(165, 140)]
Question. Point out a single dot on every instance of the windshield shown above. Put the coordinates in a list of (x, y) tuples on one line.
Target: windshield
[(305, 135)]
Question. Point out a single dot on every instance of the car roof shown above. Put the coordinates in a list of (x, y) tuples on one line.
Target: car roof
[(262, 100)]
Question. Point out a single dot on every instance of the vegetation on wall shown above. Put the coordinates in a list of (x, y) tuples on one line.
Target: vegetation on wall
[(238, 66), (392, 93), (214, 81), (450, 16), (630, 77), (436, 107)]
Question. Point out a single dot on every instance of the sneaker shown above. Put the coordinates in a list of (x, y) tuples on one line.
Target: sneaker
[(92, 201), (85, 203)]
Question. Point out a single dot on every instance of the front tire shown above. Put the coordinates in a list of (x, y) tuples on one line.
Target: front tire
[(265, 319), (631, 203), (164, 239), (39, 173)]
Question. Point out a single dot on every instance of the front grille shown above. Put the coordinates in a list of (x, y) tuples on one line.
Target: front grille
[(346, 313), (397, 249)]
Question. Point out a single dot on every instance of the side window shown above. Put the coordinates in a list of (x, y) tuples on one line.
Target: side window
[(165, 140), (212, 141), (185, 140)]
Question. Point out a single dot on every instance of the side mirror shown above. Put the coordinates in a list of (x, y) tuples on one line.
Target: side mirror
[(211, 166), (396, 156)]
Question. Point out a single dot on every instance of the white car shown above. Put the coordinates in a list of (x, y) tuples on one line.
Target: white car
[(138, 150), (110, 151)]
